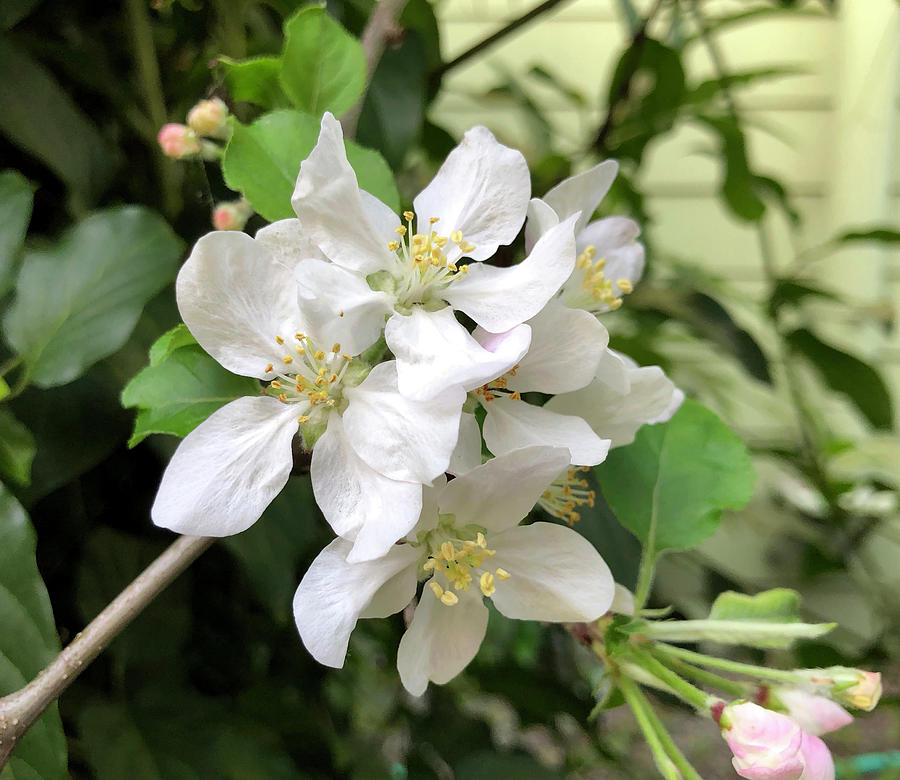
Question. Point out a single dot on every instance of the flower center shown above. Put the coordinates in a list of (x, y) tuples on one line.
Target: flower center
[(309, 377), (424, 264), (490, 391), (588, 288), (567, 492), (456, 557)]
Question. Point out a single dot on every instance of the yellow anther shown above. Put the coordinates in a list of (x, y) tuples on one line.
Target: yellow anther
[(440, 241), (434, 220), (480, 540), (393, 246), (283, 398), (449, 598), (340, 314), (456, 236), (330, 402), (448, 553), (464, 269), (409, 216), (624, 285), (287, 359), (486, 581), (299, 336), (418, 259), (275, 383), (516, 396), (332, 379), (467, 247), (298, 387), (400, 229), (303, 419), (322, 370), (320, 355), (336, 347), (320, 381), (300, 350), (346, 357), (436, 588), (615, 303), (270, 368), (279, 339), (503, 574)]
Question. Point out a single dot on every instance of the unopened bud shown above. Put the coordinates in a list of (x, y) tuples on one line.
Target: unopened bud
[(816, 715), (209, 117), (178, 141), (232, 215), (766, 744), (851, 687)]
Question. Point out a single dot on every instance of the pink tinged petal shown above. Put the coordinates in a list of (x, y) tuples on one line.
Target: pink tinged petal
[(500, 298), (339, 306), (510, 425), (567, 346), (434, 351), (467, 454), (816, 715), (582, 192), (766, 744), (541, 217), (399, 437), (556, 575), (817, 759), (228, 469), (499, 493), (360, 504), (328, 201), (482, 189), (651, 396), (288, 242), (235, 298), (441, 640), (334, 593)]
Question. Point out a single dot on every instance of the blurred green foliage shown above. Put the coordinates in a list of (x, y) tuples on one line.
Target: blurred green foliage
[(212, 680)]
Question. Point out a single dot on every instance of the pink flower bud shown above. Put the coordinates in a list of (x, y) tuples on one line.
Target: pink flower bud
[(232, 215), (766, 744), (208, 117), (865, 693), (816, 715), (817, 761), (178, 141)]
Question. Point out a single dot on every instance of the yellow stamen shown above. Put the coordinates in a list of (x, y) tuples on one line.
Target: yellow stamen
[(503, 574), (486, 582), (287, 359), (279, 339), (409, 216), (320, 355), (393, 246), (400, 229), (275, 383), (270, 368), (336, 347), (449, 598), (303, 419)]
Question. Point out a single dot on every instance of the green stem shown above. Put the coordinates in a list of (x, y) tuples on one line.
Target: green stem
[(678, 758), (749, 670), (690, 693), (645, 719), (702, 676), (645, 577)]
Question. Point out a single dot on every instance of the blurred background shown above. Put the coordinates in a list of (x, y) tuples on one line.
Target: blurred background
[(757, 148)]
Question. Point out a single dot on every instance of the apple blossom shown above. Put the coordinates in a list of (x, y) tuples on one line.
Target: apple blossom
[(209, 117), (232, 215), (817, 761), (766, 744), (178, 141), (412, 272), (816, 715), (373, 447), (467, 546)]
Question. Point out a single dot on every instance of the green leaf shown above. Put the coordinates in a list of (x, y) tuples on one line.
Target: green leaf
[(180, 389), (4, 388), (847, 375), (739, 186), (323, 67), (78, 301), (171, 340), (255, 80), (13, 11), (780, 605), (788, 291), (16, 198), (16, 448), (884, 235), (28, 642), (671, 485), (262, 161), (41, 118), (394, 108), (755, 633)]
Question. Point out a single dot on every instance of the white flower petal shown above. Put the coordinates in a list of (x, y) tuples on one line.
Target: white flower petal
[(235, 298), (441, 641), (399, 437), (500, 298), (434, 351), (511, 425), (614, 239), (582, 192), (228, 469), (617, 416), (334, 592), (359, 503), (482, 189), (623, 601), (327, 199), (288, 242), (567, 346), (338, 306), (499, 493), (555, 575), (540, 219), (397, 592), (467, 454)]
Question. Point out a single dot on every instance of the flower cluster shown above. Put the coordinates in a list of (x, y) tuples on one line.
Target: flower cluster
[(352, 319)]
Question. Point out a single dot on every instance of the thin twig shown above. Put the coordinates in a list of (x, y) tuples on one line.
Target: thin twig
[(374, 38), (479, 47), (19, 710)]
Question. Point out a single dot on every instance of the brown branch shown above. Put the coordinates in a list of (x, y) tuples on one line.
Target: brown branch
[(375, 36), (19, 710)]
